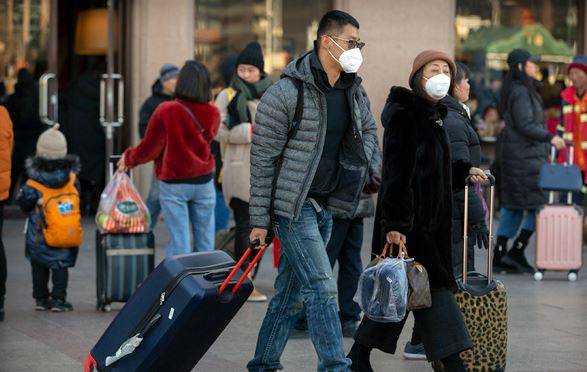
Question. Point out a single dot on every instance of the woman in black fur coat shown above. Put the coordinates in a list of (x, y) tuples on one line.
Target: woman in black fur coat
[(415, 206)]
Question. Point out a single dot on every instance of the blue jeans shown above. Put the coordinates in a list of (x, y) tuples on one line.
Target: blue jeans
[(222, 212), (153, 203), (184, 204), (304, 277), (510, 221)]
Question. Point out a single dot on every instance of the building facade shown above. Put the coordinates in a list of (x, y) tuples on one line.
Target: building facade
[(46, 36)]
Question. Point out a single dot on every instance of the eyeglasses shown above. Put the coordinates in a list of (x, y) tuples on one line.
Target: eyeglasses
[(350, 42)]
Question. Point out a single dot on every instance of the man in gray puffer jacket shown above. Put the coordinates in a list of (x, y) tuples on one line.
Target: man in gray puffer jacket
[(299, 184)]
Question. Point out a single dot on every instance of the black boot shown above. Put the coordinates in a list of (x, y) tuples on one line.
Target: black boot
[(515, 257), (499, 252), (360, 355)]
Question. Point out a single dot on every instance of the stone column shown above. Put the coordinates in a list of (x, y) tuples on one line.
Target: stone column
[(162, 32), (395, 32)]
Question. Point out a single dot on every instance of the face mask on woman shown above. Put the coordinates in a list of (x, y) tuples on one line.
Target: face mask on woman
[(350, 60), (437, 86)]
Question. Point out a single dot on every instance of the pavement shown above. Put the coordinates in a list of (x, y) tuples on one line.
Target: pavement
[(547, 320)]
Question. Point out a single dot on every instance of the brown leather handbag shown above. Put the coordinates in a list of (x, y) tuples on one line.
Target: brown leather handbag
[(419, 286)]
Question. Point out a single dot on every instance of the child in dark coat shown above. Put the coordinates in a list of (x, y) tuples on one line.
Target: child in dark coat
[(51, 173)]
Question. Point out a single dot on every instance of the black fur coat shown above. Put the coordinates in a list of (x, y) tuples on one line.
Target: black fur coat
[(416, 192)]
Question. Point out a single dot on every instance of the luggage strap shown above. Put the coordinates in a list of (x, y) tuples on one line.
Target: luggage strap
[(129, 346), (130, 252)]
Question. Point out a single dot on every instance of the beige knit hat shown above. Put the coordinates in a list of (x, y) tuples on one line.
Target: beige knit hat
[(428, 56), (52, 144)]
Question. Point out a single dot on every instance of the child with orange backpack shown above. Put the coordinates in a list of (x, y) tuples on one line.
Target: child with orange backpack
[(50, 197)]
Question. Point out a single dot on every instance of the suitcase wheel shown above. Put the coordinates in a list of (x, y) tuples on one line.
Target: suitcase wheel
[(572, 276), (539, 275)]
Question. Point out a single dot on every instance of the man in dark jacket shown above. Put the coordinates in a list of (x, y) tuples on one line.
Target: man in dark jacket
[(324, 167), (163, 90)]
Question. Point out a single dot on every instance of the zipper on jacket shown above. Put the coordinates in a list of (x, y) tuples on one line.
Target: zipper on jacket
[(314, 167), (356, 132)]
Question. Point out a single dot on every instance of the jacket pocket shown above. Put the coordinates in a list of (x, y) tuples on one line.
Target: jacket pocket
[(350, 182)]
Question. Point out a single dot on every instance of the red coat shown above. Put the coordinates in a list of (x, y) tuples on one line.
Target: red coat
[(574, 125), (175, 143)]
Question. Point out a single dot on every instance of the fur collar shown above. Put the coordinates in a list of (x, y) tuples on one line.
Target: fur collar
[(52, 172), (403, 99)]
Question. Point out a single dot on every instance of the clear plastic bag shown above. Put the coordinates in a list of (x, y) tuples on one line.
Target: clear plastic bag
[(121, 208), (382, 293)]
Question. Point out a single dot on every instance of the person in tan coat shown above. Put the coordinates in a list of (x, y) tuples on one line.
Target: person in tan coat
[(238, 106), (6, 143)]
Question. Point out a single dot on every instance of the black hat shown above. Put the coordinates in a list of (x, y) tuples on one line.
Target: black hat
[(520, 56), (251, 55)]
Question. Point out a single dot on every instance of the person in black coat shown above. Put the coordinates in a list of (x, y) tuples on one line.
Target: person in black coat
[(464, 148), (415, 206), (522, 152), (79, 114), (163, 90), (23, 107)]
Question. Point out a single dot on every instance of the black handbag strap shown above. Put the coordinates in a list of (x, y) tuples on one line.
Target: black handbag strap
[(196, 121)]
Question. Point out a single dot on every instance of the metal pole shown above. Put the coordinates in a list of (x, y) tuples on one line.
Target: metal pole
[(110, 87)]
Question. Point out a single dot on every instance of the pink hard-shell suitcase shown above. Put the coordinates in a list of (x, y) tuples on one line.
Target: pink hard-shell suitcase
[(559, 238)]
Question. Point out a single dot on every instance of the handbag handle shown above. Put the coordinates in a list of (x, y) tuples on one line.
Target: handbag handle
[(389, 247)]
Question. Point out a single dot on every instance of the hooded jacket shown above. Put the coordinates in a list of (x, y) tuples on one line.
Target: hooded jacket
[(416, 190), (52, 174), (150, 105), (302, 153), (523, 150)]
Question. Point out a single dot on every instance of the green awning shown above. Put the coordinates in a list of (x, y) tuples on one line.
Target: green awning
[(479, 39), (537, 40)]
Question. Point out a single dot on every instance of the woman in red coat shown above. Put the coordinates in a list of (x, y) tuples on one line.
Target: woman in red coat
[(178, 140)]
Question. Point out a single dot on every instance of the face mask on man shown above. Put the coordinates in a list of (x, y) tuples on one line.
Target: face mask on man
[(350, 60), (437, 86)]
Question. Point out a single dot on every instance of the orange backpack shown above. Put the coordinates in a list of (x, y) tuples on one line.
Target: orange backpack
[(60, 214)]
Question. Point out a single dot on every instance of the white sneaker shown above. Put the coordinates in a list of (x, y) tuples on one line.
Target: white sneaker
[(257, 296)]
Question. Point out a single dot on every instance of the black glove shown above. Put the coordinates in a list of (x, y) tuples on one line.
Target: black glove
[(480, 234)]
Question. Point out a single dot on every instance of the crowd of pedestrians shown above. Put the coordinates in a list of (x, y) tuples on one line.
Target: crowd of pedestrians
[(298, 159)]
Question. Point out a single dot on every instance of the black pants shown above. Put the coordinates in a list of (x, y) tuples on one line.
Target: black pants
[(2, 259), (240, 211), (441, 328), (344, 246), (41, 281)]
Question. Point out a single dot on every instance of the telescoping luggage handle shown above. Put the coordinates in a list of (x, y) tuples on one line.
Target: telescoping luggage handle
[(240, 263), (570, 157), (466, 234)]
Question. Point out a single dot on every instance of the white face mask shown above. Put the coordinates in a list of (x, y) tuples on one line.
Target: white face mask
[(350, 60), (437, 86)]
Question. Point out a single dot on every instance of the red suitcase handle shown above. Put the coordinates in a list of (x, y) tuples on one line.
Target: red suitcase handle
[(239, 264), (90, 364)]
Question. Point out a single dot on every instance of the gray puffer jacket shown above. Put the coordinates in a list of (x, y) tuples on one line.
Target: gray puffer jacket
[(303, 152)]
